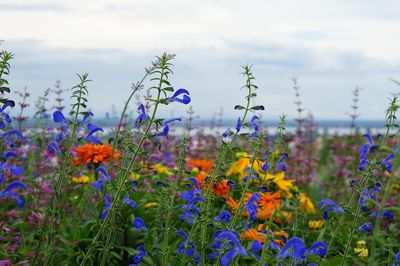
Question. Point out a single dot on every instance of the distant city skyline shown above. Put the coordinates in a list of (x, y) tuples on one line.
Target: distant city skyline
[(330, 46)]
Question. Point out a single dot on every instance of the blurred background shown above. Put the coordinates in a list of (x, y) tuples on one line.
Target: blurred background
[(331, 47)]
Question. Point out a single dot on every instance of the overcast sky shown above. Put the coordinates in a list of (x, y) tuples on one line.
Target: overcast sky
[(332, 46)]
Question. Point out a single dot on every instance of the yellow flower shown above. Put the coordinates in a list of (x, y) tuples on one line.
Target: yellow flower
[(362, 252), (161, 169), (361, 249), (284, 185), (195, 170), (150, 205), (395, 188), (315, 224), (361, 243), (306, 204), (84, 179), (244, 162), (135, 176)]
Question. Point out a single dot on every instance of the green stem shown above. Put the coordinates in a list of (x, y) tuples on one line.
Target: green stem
[(123, 181)]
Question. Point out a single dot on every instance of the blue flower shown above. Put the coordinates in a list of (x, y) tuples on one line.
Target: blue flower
[(58, 117), (142, 115), (251, 207), (258, 107), (233, 244), (165, 130), (130, 202), (191, 209), (238, 124), (318, 248), (8, 137), (185, 98), (365, 195), (99, 184), (253, 124), (397, 260), (4, 114), (256, 247), (387, 162), (333, 207), (189, 195), (136, 259), (364, 150), (265, 166), (91, 128), (107, 206), (280, 163), (186, 247), (227, 133), (138, 224), (367, 227), (296, 249), (53, 148), (386, 214), (223, 217), (7, 192)]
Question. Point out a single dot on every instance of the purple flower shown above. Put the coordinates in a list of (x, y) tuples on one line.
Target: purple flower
[(185, 98)]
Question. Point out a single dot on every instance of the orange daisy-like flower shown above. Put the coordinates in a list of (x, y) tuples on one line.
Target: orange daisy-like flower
[(203, 165), (220, 188), (94, 153)]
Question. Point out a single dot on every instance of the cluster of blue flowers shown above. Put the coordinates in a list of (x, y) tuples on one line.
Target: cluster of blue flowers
[(8, 191), (191, 197)]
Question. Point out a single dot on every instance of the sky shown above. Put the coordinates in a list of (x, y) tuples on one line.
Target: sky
[(331, 46)]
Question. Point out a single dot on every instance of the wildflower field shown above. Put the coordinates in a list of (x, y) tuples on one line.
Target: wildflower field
[(72, 193)]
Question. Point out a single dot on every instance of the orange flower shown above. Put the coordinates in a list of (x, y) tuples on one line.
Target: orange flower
[(203, 165), (220, 188), (260, 235), (94, 153), (266, 207), (253, 234)]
